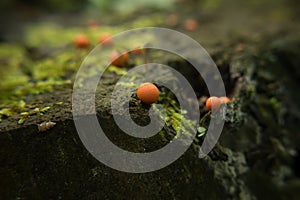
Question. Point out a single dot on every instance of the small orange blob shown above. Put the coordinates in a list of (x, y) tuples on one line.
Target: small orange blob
[(92, 24), (138, 50), (213, 103), (190, 24), (240, 47), (148, 93), (172, 20), (119, 60), (106, 39), (81, 41), (224, 99)]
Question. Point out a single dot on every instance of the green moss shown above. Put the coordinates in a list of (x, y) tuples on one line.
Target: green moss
[(11, 58), (11, 108), (40, 87), (50, 35), (57, 67), (95, 171), (35, 111), (275, 104), (47, 58), (174, 114), (147, 21), (57, 36), (117, 70)]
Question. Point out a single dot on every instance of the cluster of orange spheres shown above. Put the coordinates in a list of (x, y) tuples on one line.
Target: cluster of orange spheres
[(213, 103), (148, 93), (82, 40), (118, 59)]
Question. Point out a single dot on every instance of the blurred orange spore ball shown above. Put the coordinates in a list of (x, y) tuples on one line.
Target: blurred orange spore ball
[(119, 60), (106, 39), (224, 99), (92, 24), (81, 41), (190, 24), (138, 50)]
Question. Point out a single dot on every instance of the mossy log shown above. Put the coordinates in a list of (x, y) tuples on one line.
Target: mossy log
[(254, 158)]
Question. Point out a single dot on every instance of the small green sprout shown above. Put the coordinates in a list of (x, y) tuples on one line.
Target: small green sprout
[(45, 109), (35, 111), (22, 120), (6, 112), (201, 131)]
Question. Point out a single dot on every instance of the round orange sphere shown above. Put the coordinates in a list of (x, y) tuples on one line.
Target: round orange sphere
[(224, 99), (148, 93), (106, 39), (190, 24), (213, 103), (138, 50), (81, 41), (119, 60)]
